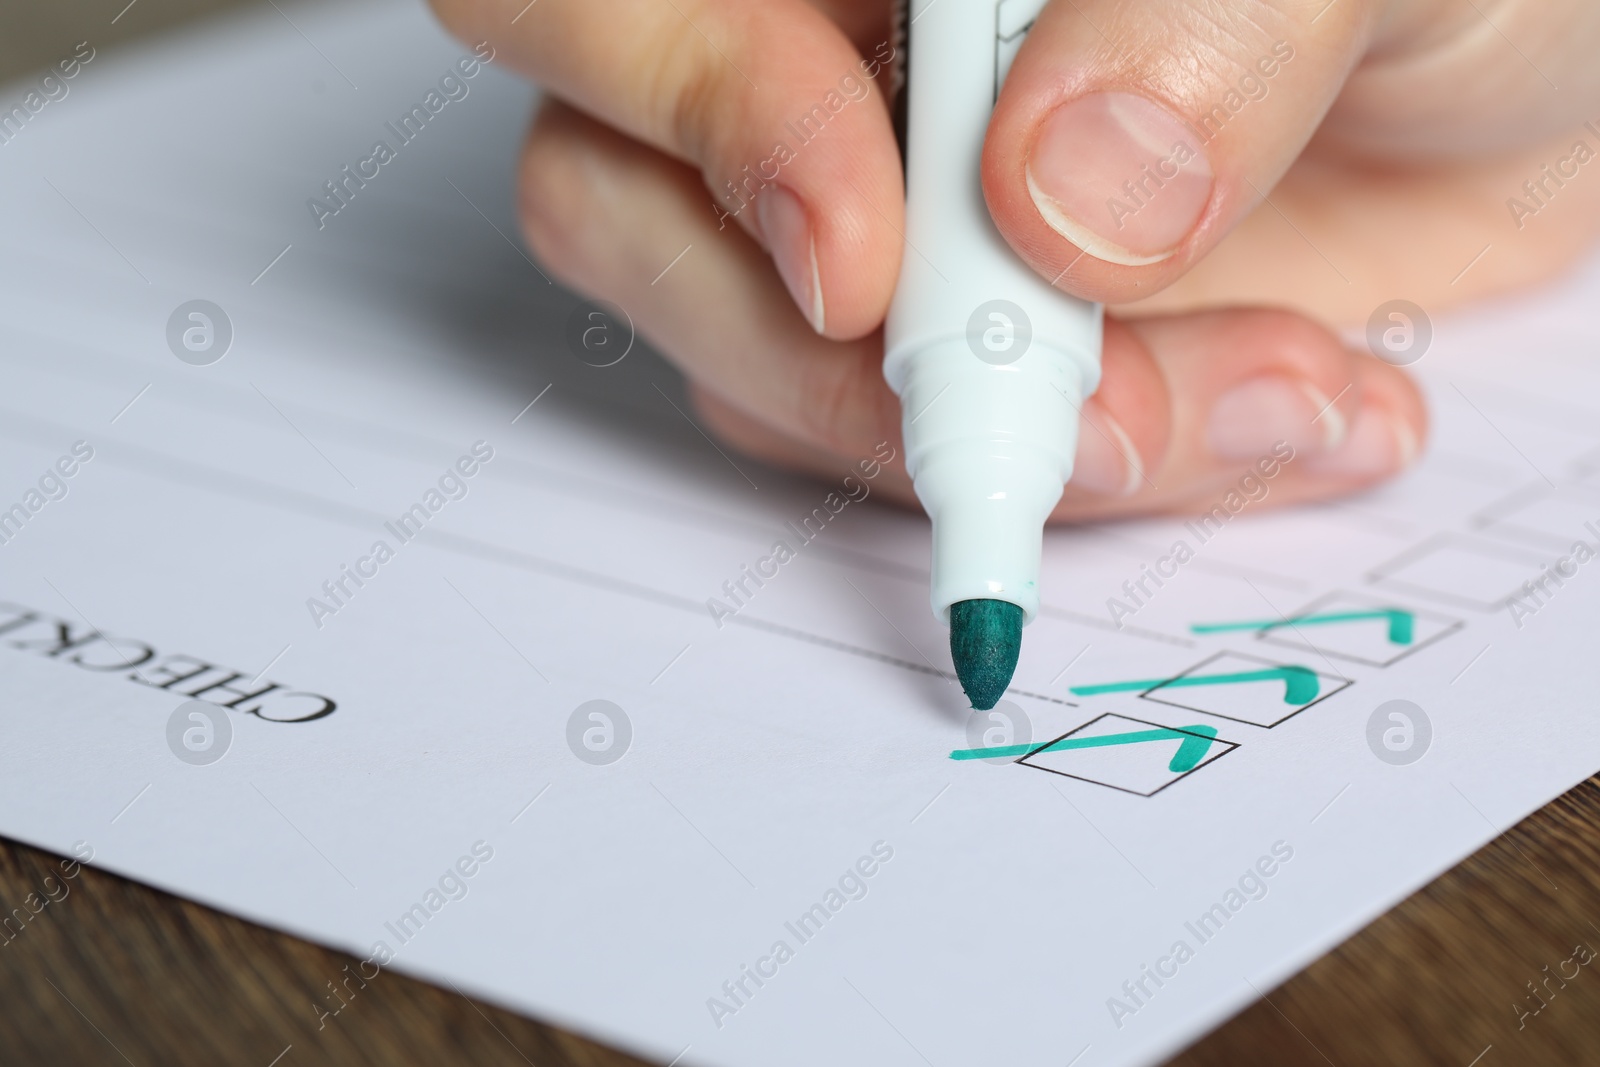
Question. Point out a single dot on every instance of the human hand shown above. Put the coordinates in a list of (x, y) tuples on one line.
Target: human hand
[(1386, 137)]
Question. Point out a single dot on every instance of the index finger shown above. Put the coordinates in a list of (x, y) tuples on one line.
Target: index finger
[(772, 102)]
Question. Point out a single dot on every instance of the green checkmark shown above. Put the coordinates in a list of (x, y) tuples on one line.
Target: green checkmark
[(1300, 684), (1194, 743), (1402, 624)]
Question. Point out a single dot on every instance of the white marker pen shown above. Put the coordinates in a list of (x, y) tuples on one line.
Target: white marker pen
[(991, 363)]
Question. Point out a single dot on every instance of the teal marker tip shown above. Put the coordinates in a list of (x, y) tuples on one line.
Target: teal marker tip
[(985, 640)]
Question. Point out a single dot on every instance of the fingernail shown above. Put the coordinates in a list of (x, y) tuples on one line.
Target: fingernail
[(1119, 176), (1107, 462), (1379, 442), (794, 249), (1250, 419)]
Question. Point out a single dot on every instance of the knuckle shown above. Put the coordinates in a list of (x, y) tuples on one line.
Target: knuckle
[(829, 399), (693, 113), (555, 203), (1212, 43), (692, 94)]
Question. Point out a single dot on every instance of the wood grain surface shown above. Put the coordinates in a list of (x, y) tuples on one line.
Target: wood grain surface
[(112, 972)]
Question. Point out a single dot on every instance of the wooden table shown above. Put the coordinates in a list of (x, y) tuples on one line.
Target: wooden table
[(114, 972)]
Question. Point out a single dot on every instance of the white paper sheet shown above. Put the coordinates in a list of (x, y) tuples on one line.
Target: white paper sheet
[(771, 762)]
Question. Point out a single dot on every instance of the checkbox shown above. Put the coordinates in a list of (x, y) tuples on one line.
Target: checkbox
[(1543, 515), (1248, 689), (1360, 629), (1129, 754), (1463, 571)]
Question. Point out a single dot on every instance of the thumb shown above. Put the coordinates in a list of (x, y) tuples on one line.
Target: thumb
[(1130, 138)]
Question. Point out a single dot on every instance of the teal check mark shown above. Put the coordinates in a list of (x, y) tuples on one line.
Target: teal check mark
[(1193, 744), (1402, 624), (1300, 684)]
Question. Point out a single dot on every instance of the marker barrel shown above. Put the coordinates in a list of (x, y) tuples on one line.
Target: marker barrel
[(991, 364)]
